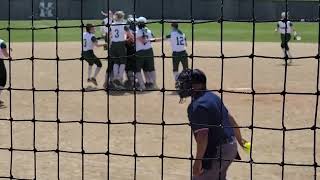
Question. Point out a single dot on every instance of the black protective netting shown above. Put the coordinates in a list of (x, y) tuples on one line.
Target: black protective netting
[(109, 153)]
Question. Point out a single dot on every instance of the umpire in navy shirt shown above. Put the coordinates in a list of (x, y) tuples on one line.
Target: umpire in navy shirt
[(213, 127)]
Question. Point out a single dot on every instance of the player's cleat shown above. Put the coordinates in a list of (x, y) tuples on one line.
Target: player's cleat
[(89, 80), (111, 85), (94, 81), (154, 87), (117, 84), (140, 90), (128, 85), (151, 86), (148, 85)]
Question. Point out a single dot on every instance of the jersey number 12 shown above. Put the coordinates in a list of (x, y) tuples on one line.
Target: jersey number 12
[(180, 41)]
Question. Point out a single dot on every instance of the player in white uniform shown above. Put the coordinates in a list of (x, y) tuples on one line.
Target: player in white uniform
[(118, 52), (3, 73), (179, 53), (104, 29), (285, 28), (89, 42), (145, 56)]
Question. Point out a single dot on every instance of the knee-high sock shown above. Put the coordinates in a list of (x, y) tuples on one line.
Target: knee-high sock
[(130, 76), (116, 71), (140, 80), (89, 71), (121, 71), (175, 75), (153, 77), (147, 76), (96, 72)]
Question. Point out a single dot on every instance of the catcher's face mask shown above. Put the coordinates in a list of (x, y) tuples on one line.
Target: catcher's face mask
[(184, 84), (185, 80)]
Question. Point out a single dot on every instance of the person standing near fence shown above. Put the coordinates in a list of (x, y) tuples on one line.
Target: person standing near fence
[(3, 72), (178, 44), (214, 128)]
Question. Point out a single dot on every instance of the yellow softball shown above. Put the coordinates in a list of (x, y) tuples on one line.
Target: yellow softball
[(247, 147)]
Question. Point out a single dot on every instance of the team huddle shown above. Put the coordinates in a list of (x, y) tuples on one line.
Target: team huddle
[(131, 63)]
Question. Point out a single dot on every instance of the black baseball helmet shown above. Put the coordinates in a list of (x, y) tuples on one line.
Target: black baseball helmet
[(188, 77)]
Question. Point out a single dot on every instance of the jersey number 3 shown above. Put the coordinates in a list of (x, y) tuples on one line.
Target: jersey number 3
[(117, 33), (180, 41)]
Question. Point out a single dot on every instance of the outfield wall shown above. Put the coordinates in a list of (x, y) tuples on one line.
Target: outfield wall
[(173, 9)]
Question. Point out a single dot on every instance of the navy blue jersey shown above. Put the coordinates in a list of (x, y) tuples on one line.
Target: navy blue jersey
[(207, 112)]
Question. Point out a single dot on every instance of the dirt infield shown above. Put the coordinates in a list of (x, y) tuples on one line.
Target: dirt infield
[(267, 144)]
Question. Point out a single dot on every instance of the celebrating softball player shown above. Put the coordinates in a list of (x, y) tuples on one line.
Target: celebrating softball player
[(285, 28), (104, 29), (89, 42), (145, 56), (131, 63), (215, 130), (178, 45), (119, 33)]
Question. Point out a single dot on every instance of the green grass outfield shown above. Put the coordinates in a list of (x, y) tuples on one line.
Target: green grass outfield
[(232, 31)]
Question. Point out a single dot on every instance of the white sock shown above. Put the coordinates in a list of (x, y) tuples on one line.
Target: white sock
[(116, 71), (122, 68), (89, 71), (130, 76), (153, 77), (140, 80), (175, 74), (96, 72), (146, 76)]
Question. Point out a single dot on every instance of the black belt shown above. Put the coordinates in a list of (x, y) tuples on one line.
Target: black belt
[(179, 51)]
